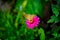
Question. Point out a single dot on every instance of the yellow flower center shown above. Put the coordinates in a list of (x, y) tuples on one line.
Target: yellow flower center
[(31, 21)]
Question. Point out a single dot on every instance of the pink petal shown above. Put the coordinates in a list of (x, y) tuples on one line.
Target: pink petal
[(35, 23)]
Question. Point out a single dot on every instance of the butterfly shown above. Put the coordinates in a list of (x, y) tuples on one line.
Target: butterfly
[(29, 17)]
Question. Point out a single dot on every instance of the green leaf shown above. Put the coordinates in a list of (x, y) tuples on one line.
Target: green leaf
[(34, 7), (42, 35), (53, 19), (50, 21), (56, 20), (55, 10), (54, 34)]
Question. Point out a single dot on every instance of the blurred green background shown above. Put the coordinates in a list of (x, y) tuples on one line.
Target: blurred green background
[(13, 24)]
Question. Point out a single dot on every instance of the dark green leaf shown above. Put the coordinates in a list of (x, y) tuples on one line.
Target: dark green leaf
[(55, 10)]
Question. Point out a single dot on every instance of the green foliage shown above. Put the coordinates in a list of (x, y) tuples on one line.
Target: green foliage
[(32, 7), (54, 19), (42, 35), (18, 4), (55, 10), (13, 24)]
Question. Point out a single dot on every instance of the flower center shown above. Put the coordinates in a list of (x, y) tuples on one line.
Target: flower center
[(31, 21)]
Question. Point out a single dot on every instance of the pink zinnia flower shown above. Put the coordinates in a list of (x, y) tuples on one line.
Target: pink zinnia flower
[(33, 23)]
